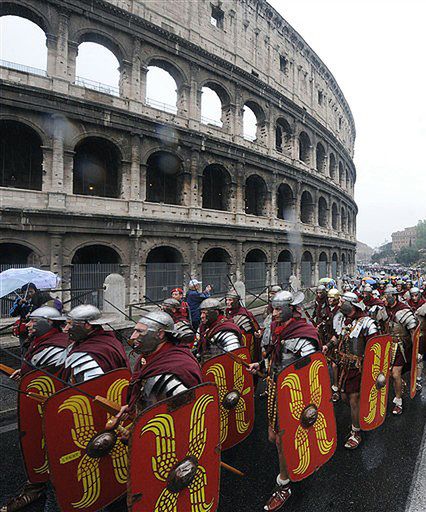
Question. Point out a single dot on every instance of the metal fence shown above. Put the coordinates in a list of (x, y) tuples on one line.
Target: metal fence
[(306, 273), (21, 67), (6, 302), (322, 269), (255, 275), (284, 272), (215, 273), (90, 277), (97, 86), (171, 109), (161, 278)]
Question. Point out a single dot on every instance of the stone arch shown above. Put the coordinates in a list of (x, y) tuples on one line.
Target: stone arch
[(165, 82), (285, 202), (284, 267), (306, 208), (255, 195), (105, 39), (215, 267), (350, 225), (322, 212), (91, 263), (334, 265), (334, 217), (97, 167), (255, 270), (332, 167), (304, 148), (164, 178), (341, 174), (343, 220), (323, 265), (258, 133), (222, 118), (21, 156), (164, 271), (162, 62), (307, 269), (17, 253), (344, 264), (321, 159), (283, 136), (216, 188), (28, 12)]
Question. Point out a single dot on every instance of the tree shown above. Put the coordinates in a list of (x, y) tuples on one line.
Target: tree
[(421, 235), (407, 256)]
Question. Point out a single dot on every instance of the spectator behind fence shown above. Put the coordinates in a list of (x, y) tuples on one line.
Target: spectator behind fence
[(194, 298)]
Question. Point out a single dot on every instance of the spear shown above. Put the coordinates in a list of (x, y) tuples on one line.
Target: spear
[(29, 394)]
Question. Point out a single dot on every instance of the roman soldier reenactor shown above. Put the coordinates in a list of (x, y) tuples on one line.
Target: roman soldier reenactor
[(400, 324), (217, 333), (320, 313), (415, 300), (93, 350), (292, 338), (354, 328), (418, 304), (333, 298), (374, 306), (182, 326)]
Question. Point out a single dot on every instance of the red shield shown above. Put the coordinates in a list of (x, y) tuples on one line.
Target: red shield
[(71, 421), (30, 414), (236, 396), (375, 382), (414, 361), (306, 416), (175, 454)]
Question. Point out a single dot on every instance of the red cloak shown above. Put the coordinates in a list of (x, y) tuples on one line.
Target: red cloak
[(52, 338)]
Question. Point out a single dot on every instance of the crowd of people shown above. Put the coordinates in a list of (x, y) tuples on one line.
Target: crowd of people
[(173, 341)]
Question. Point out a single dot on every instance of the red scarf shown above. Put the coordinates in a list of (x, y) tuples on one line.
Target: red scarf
[(293, 328)]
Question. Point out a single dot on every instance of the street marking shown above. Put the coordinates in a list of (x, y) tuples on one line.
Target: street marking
[(8, 428)]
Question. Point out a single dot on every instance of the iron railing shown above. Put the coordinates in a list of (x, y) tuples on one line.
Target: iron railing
[(21, 67), (97, 86), (214, 122), (161, 278), (171, 109)]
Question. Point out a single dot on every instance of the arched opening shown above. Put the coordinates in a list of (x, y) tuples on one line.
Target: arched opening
[(97, 168), (215, 269), (304, 148), (350, 226), (164, 271), (255, 271), (164, 178), (322, 212), (255, 195), (344, 265), (161, 89), (343, 220), (285, 202), (90, 266), (334, 217), (211, 107), (216, 188), (283, 133), (21, 156), (306, 208), (332, 167), (250, 123), (22, 41), (285, 268), (97, 67), (341, 174), (306, 269), (334, 265), (14, 256), (320, 158), (348, 180), (322, 265)]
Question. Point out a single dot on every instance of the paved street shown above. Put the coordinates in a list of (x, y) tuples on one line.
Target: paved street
[(379, 476)]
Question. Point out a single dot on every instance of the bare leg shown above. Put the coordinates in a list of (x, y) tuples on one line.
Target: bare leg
[(354, 403), (397, 380), (275, 438)]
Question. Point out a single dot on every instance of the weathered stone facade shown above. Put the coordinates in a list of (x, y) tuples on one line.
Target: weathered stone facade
[(252, 57)]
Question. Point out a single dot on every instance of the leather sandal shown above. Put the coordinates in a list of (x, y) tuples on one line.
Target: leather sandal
[(335, 397), (397, 410), (354, 440), (29, 494), (278, 499)]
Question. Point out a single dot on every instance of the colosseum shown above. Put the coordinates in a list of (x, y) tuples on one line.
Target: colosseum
[(96, 180)]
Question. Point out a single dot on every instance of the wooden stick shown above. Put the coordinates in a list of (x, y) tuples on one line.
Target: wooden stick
[(7, 369), (226, 466)]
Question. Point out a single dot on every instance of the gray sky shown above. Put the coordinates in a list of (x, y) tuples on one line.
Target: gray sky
[(375, 49)]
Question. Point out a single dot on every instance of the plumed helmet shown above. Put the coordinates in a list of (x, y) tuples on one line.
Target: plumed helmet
[(367, 288), (414, 291), (275, 289), (333, 293), (48, 313), (390, 290), (211, 304), (285, 298), (156, 320), (90, 314), (171, 303)]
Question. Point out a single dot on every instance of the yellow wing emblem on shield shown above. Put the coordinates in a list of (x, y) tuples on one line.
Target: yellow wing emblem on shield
[(378, 394)]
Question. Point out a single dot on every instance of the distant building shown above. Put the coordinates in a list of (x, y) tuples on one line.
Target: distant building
[(405, 238)]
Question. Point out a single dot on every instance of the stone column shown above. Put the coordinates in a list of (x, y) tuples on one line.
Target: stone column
[(135, 169), (68, 171), (274, 265), (194, 167), (194, 107), (240, 189), (47, 167), (142, 182), (194, 265), (135, 268), (125, 82), (135, 77), (126, 179), (56, 257), (57, 175), (315, 219), (143, 73), (239, 264), (272, 207), (72, 58), (183, 100), (297, 199)]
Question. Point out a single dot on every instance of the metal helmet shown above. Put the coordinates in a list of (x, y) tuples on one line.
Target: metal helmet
[(350, 297), (156, 320), (367, 288), (287, 298), (321, 288), (90, 314), (48, 313), (275, 289), (210, 304), (390, 290), (414, 291), (232, 294), (346, 287), (333, 293), (171, 303)]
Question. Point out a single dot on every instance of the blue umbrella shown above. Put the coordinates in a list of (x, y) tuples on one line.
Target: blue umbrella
[(15, 278)]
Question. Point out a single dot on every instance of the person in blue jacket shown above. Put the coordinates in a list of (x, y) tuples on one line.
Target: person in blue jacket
[(194, 298)]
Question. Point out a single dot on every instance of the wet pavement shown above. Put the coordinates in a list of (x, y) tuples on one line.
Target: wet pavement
[(376, 477)]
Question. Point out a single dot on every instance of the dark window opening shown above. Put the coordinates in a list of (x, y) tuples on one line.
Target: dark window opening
[(285, 203), (215, 188), (304, 148), (283, 64), (164, 178), (217, 17), (255, 196), (96, 168), (21, 156), (320, 97), (306, 208), (322, 212)]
